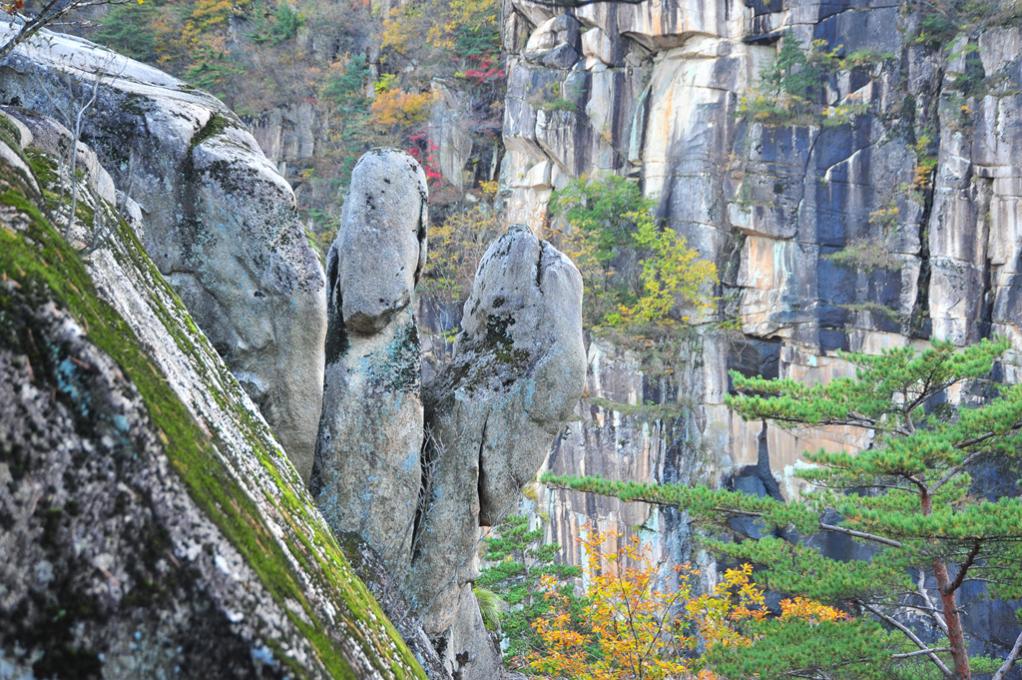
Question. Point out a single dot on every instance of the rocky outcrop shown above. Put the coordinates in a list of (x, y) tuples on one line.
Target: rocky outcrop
[(415, 471), (367, 472), (493, 413), (219, 222), (152, 524), (886, 218)]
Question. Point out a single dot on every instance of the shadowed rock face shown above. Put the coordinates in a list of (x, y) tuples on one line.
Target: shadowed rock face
[(219, 221), (656, 93), (367, 472), (417, 483)]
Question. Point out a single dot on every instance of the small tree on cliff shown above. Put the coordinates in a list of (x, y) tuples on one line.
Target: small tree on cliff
[(909, 496), (29, 21)]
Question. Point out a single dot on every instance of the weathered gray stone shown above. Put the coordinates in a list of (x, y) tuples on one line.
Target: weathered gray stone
[(220, 222), (153, 526), (492, 414), (517, 373), (367, 471)]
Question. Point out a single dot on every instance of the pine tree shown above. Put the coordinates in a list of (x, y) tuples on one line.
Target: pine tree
[(517, 560), (909, 497)]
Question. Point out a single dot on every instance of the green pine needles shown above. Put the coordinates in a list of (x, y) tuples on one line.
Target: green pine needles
[(909, 497)]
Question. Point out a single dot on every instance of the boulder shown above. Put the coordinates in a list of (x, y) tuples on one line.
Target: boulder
[(153, 526), (220, 222)]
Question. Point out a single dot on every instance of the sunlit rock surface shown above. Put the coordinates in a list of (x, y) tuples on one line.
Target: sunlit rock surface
[(218, 220), (656, 93)]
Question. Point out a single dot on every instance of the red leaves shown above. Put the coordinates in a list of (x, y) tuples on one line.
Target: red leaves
[(12, 6)]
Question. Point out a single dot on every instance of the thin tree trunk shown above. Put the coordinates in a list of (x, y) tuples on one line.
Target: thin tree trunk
[(955, 633)]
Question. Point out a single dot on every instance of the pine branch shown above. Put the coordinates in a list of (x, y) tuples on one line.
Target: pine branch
[(920, 652), (911, 636), (861, 534), (950, 474), (970, 559), (934, 612)]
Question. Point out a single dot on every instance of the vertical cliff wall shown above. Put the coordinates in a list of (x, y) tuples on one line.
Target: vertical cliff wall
[(884, 215)]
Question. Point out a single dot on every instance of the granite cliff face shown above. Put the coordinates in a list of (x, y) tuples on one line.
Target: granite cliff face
[(888, 216)]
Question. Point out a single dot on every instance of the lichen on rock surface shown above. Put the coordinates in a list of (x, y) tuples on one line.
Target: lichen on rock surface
[(415, 470), (220, 223), (153, 525), (492, 415), (367, 469)]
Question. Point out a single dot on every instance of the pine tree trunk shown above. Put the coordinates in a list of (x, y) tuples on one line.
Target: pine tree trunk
[(955, 634)]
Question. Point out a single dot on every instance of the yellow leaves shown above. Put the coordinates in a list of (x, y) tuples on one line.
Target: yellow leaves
[(810, 610), (489, 188), (398, 108), (735, 598), (442, 24), (455, 248), (402, 27), (625, 625), (628, 627)]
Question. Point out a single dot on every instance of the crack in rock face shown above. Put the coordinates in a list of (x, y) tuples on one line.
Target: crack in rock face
[(415, 470)]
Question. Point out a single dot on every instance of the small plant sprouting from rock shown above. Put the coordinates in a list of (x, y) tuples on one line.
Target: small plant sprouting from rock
[(793, 87)]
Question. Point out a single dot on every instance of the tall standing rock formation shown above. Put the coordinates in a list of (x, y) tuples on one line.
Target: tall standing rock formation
[(367, 472), (218, 220), (490, 416)]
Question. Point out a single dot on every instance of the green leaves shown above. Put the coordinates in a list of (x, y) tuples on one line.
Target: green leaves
[(908, 496), (610, 233)]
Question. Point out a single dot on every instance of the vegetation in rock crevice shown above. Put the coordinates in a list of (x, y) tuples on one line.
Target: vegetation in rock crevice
[(637, 273)]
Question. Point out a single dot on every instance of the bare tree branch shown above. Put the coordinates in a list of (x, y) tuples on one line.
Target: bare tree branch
[(1010, 661), (911, 636)]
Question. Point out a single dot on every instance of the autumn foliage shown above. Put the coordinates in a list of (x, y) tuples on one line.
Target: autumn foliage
[(628, 626)]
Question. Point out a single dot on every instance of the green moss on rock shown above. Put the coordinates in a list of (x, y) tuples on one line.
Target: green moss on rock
[(39, 258)]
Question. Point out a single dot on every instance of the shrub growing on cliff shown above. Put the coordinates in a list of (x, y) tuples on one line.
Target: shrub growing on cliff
[(517, 561), (793, 87), (909, 497), (636, 271), (455, 249)]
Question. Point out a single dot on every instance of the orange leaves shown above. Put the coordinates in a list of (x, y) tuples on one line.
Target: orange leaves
[(810, 610), (625, 626)]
